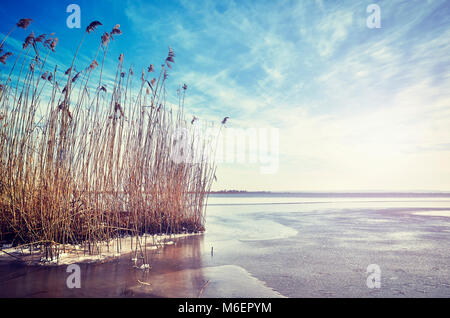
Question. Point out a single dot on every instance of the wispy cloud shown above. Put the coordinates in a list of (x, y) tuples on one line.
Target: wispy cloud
[(356, 107), (358, 104)]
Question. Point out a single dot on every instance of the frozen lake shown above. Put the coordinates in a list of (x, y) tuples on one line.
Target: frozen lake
[(291, 245), (312, 245)]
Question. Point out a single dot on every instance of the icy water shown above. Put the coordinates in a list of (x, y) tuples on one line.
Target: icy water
[(279, 245), (320, 245)]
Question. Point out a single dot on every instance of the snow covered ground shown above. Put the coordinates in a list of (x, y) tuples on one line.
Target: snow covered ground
[(70, 254)]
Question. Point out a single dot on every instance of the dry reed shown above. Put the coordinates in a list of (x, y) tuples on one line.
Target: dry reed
[(83, 163)]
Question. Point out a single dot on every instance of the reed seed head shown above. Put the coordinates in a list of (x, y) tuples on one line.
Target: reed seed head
[(24, 23), (4, 57), (115, 31), (92, 26), (93, 65), (105, 38), (170, 57), (51, 43), (40, 38), (29, 40)]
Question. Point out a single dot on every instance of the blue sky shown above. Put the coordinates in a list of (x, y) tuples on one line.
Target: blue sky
[(357, 108)]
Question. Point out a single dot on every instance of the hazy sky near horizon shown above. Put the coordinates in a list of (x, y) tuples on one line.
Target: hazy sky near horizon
[(356, 108)]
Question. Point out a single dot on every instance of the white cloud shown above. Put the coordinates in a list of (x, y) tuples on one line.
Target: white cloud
[(357, 109)]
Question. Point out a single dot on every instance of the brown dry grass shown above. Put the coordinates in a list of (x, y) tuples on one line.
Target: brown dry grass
[(82, 163)]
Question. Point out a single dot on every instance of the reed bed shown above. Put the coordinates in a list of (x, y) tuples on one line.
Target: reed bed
[(83, 162)]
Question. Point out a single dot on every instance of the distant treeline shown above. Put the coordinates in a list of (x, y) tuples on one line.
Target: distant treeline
[(340, 194)]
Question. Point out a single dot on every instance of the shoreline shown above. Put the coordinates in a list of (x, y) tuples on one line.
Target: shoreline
[(177, 270), (71, 254)]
